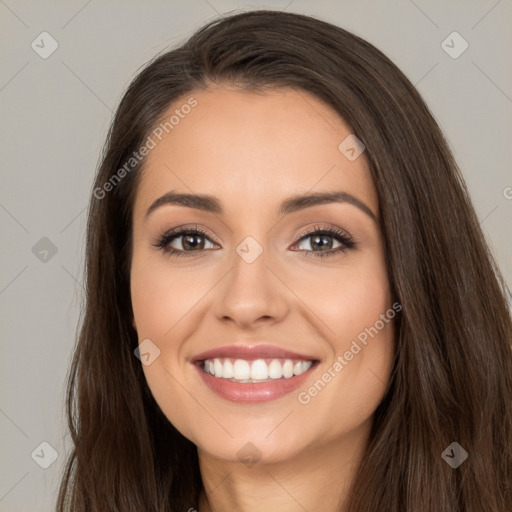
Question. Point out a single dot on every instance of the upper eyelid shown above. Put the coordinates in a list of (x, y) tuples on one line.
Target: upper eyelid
[(181, 231), (330, 230)]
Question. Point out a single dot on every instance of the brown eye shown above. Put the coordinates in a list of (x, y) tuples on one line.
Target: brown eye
[(181, 241), (322, 242)]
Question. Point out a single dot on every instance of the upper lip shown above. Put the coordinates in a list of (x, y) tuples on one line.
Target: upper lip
[(250, 352)]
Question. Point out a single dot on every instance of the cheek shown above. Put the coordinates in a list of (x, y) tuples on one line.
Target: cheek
[(161, 299), (161, 296), (348, 299), (354, 306), (362, 297)]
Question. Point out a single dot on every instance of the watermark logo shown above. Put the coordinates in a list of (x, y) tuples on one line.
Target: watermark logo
[(454, 45), (147, 352), (249, 454), (249, 249), (454, 455), (44, 455), (351, 147), (44, 45), (44, 250)]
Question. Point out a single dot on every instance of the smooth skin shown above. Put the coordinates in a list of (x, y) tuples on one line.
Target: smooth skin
[(252, 151)]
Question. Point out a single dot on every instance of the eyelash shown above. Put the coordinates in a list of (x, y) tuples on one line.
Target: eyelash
[(342, 236)]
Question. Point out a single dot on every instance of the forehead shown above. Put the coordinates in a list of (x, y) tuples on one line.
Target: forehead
[(251, 149)]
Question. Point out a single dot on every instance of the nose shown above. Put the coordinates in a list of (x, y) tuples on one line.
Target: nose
[(251, 294)]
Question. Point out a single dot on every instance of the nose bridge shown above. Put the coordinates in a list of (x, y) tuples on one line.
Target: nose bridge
[(250, 291)]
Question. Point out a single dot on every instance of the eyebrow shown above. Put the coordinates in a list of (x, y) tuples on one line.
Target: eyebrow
[(293, 204)]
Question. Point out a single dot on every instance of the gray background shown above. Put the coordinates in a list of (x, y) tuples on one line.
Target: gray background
[(55, 116)]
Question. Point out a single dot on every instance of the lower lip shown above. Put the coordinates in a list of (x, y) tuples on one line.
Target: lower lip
[(253, 392)]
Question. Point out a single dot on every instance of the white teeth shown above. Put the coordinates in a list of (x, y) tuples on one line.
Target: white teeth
[(259, 370), (217, 366), (254, 371), (306, 365), (241, 369), (275, 369), (287, 369), (227, 370)]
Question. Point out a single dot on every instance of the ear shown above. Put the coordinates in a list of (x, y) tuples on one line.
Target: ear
[(133, 323)]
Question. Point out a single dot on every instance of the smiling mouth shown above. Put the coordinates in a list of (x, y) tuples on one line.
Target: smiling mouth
[(254, 371)]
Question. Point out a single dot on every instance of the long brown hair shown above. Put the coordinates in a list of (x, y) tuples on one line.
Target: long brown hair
[(452, 376)]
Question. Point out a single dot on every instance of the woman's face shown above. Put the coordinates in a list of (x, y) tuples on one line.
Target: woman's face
[(262, 293)]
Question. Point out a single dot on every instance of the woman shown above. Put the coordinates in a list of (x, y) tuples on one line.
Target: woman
[(290, 302)]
